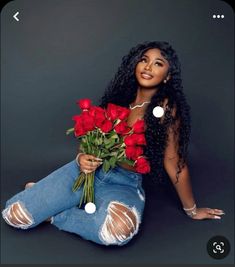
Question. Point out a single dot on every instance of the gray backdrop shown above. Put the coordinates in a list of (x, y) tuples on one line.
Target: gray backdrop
[(64, 50)]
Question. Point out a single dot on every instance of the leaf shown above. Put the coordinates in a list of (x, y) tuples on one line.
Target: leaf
[(99, 141), (106, 165), (112, 162), (130, 162), (114, 136), (106, 141), (83, 146), (93, 140), (103, 155), (114, 154), (110, 144)]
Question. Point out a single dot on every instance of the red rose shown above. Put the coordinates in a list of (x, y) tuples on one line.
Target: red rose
[(99, 119), (99, 123), (123, 113), (112, 111), (106, 126), (84, 103), (142, 166), (88, 122), (139, 139), (78, 128), (76, 117), (94, 110), (122, 128), (130, 140), (133, 152), (79, 131), (98, 114), (139, 126), (130, 152)]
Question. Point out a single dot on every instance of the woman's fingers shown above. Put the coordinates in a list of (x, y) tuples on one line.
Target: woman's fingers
[(92, 158), (214, 213), (93, 164), (208, 213), (211, 216), (89, 163), (220, 211)]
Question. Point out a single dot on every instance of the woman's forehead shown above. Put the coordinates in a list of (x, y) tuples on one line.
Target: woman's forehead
[(154, 53)]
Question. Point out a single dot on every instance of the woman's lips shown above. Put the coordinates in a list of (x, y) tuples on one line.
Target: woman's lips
[(146, 76)]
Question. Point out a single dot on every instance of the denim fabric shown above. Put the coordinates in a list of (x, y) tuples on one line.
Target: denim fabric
[(52, 196)]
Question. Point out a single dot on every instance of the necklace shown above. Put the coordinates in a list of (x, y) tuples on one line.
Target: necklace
[(139, 106)]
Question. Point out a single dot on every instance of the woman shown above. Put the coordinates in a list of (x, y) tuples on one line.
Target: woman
[(149, 77)]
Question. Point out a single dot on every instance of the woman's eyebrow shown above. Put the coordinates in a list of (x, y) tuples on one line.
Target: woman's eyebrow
[(156, 58)]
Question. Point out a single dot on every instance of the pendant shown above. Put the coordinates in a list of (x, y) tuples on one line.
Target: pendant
[(90, 208), (158, 112)]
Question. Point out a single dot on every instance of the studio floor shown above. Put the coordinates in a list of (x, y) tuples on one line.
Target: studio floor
[(166, 234)]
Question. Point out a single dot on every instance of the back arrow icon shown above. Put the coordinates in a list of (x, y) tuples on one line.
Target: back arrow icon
[(15, 16)]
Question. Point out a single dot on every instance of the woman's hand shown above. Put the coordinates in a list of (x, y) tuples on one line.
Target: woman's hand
[(88, 163), (207, 213)]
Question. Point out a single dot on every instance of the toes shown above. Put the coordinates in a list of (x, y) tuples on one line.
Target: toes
[(28, 185)]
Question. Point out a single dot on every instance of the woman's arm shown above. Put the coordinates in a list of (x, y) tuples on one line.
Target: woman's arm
[(183, 184)]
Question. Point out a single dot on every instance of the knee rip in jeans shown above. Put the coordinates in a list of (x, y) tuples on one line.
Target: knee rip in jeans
[(17, 216), (120, 225)]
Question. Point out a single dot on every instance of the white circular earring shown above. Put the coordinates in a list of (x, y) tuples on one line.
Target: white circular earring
[(165, 81), (158, 112)]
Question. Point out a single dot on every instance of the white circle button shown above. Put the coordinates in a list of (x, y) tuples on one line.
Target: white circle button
[(158, 112), (90, 207)]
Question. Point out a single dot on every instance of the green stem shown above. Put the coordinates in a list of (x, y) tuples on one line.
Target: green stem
[(69, 131)]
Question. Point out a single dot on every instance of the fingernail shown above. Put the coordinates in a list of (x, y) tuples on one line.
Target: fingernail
[(217, 217)]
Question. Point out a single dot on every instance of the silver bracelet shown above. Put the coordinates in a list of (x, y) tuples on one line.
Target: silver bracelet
[(194, 206), (191, 211), (77, 158)]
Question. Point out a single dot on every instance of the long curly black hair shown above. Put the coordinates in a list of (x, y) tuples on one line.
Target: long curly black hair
[(122, 90)]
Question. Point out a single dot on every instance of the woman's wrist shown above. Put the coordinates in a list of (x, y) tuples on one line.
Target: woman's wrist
[(192, 211)]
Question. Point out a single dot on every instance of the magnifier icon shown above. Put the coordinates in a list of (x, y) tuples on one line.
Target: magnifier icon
[(218, 247)]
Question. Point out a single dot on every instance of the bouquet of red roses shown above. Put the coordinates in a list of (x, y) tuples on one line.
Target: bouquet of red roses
[(105, 134)]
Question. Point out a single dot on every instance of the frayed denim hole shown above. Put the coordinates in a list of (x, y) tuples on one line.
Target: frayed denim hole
[(110, 238), (24, 213)]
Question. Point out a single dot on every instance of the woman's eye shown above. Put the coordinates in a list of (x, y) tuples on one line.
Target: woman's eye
[(143, 60), (158, 64)]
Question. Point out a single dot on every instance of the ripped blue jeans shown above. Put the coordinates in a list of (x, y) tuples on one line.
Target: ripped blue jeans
[(119, 199)]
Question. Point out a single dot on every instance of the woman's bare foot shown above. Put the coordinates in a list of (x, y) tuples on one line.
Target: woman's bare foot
[(30, 184)]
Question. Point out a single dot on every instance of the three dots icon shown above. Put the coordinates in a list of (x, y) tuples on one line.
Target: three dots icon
[(218, 16)]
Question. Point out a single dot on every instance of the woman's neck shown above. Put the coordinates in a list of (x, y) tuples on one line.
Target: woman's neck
[(144, 94)]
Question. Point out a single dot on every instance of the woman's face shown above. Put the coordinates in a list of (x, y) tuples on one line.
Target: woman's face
[(152, 69)]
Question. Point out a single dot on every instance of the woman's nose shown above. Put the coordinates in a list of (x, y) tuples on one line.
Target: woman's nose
[(148, 67)]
